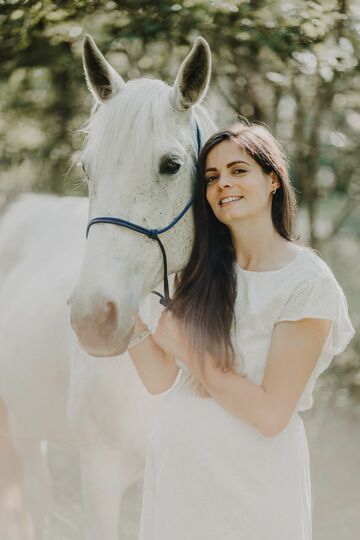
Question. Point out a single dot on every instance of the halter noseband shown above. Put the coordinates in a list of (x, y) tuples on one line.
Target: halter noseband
[(152, 233)]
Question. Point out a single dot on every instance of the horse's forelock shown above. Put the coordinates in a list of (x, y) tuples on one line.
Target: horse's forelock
[(136, 119)]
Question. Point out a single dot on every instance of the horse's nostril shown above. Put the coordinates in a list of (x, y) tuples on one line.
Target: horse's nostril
[(108, 320), (99, 322), (110, 312)]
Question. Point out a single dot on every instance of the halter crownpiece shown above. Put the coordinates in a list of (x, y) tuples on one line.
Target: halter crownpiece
[(152, 233)]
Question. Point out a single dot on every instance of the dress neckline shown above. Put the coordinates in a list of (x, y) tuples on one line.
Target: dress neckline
[(267, 272)]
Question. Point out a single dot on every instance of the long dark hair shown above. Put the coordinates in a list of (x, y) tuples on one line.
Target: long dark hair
[(206, 289)]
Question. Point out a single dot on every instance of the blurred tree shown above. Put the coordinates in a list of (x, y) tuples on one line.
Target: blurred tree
[(40, 80)]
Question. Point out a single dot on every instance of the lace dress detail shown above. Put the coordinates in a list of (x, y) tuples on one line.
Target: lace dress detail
[(322, 298)]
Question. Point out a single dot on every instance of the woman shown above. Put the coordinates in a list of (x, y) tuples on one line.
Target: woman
[(254, 320)]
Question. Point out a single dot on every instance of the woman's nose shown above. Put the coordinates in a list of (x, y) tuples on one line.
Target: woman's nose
[(224, 181)]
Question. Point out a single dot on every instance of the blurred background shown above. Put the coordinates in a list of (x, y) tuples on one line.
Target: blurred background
[(291, 64)]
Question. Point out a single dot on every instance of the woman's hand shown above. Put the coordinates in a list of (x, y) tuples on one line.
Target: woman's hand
[(170, 336)]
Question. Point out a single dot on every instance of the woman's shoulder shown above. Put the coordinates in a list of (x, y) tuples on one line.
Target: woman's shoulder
[(310, 280), (311, 266)]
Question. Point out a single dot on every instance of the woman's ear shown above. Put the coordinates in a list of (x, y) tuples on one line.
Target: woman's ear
[(275, 182)]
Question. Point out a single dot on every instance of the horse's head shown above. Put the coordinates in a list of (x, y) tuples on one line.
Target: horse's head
[(139, 158)]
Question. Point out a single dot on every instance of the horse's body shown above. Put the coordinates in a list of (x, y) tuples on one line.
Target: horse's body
[(41, 241), (40, 245), (53, 389), (107, 413)]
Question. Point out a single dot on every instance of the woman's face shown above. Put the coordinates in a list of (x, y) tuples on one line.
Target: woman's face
[(231, 172)]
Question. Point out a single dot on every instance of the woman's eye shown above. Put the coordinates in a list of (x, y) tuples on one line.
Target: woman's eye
[(210, 179), (239, 171)]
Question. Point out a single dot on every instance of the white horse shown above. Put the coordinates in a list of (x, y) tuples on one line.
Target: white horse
[(139, 157)]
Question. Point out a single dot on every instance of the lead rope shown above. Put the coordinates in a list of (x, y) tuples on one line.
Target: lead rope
[(164, 298)]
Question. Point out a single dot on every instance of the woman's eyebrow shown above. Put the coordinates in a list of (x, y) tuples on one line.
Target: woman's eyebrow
[(234, 162), (227, 166)]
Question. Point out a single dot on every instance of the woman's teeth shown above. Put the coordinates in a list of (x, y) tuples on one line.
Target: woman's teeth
[(228, 200)]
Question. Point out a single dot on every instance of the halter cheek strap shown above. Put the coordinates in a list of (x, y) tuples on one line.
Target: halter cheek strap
[(152, 233)]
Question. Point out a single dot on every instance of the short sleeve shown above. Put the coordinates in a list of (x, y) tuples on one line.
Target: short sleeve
[(321, 298)]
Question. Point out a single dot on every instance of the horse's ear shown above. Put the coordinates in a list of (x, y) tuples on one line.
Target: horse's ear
[(103, 81), (193, 77)]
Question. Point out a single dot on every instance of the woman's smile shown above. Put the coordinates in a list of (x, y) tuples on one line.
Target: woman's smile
[(226, 201)]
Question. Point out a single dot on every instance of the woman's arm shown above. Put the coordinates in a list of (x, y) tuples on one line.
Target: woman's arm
[(294, 350), (156, 368)]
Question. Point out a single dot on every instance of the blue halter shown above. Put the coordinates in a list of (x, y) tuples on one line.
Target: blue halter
[(152, 233)]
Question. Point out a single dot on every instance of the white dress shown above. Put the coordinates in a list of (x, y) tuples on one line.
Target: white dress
[(211, 476)]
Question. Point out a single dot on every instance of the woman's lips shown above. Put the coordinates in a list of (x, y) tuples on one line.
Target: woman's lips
[(230, 202)]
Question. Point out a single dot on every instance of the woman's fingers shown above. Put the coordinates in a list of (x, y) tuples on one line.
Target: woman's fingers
[(163, 338), (167, 334)]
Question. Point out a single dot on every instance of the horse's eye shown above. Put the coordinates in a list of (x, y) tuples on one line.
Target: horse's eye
[(169, 165)]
